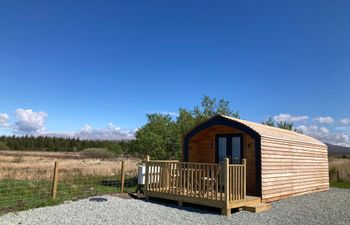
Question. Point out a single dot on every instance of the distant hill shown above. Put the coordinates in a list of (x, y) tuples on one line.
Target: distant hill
[(338, 150)]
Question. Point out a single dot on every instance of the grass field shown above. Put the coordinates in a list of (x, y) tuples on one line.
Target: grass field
[(339, 166), (339, 171), (24, 194), (26, 178)]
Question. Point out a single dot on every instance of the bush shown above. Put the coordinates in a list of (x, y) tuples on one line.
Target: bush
[(3, 146), (116, 149), (98, 153)]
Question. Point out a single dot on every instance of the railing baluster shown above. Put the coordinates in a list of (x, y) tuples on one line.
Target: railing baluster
[(216, 182), (147, 176), (181, 179), (150, 176), (236, 182), (176, 178), (192, 184), (220, 182), (188, 179), (208, 182), (212, 181), (200, 180), (231, 183), (239, 182)]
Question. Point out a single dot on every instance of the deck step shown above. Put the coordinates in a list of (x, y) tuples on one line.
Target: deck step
[(260, 207), (252, 200)]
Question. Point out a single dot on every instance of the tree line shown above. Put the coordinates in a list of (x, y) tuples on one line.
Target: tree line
[(56, 144)]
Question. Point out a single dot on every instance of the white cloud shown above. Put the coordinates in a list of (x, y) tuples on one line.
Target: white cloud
[(110, 132), (289, 118), (29, 122), (324, 120), (325, 135), (345, 121), (4, 119)]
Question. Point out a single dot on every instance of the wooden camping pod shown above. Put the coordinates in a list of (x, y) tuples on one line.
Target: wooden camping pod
[(280, 163)]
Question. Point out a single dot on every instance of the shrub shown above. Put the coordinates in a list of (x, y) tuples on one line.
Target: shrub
[(3, 146), (116, 149), (97, 153)]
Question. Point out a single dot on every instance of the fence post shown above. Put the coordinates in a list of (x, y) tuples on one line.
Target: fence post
[(54, 181), (122, 178), (244, 162), (338, 176), (226, 210)]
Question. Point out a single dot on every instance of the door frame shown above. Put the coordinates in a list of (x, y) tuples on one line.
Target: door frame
[(217, 136)]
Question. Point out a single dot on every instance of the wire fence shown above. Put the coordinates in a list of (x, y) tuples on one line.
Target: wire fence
[(30, 187)]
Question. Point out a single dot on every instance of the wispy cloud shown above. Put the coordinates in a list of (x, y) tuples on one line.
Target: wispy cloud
[(322, 128), (289, 118), (325, 135), (4, 119), (87, 132), (324, 120), (170, 113), (345, 121)]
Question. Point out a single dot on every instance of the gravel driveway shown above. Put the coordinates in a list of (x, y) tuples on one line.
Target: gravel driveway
[(332, 207)]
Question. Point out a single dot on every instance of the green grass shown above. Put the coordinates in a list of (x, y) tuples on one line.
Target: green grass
[(16, 195), (341, 184)]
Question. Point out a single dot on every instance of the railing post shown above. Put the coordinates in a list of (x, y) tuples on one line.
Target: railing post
[(226, 210), (244, 162), (147, 175)]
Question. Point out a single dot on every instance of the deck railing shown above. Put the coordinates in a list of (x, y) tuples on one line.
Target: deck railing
[(237, 181), (197, 180)]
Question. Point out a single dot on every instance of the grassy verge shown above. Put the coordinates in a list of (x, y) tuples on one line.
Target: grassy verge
[(16, 195), (341, 184)]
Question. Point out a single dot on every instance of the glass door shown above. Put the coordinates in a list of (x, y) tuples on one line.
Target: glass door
[(230, 146)]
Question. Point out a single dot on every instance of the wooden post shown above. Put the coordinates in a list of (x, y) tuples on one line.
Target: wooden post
[(226, 210), (146, 177), (54, 181), (338, 176), (244, 162), (122, 178)]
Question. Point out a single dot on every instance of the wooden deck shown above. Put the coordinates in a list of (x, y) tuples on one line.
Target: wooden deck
[(221, 186)]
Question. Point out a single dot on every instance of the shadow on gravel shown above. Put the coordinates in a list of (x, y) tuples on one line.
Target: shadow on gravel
[(186, 206)]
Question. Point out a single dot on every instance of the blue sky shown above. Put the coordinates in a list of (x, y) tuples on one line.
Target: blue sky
[(88, 66)]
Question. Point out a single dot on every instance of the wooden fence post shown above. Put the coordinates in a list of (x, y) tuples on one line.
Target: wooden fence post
[(54, 181), (338, 176), (226, 210), (122, 178)]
